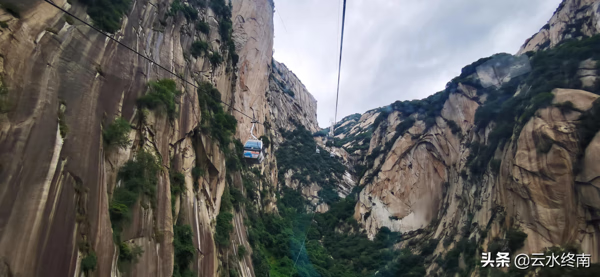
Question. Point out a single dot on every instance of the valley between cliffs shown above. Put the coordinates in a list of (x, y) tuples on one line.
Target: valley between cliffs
[(112, 166)]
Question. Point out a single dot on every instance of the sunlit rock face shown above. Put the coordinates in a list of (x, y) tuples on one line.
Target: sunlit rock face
[(422, 183), (407, 192), (56, 191), (419, 182), (55, 188)]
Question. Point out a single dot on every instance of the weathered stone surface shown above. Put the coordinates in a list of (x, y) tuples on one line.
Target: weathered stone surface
[(572, 19), (461, 110), (407, 192), (290, 103), (420, 179), (301, 107), (581, 99), (591, 163), (55, 192)]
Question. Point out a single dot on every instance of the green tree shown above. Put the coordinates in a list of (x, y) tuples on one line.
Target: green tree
[(107, 14), (161, 95), (203, 27), (184, 249), (215, 59), (88, 263), (242, 251), (117, 133), (199, 47)]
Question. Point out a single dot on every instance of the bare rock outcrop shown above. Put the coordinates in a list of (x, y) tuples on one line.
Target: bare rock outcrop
[(420, 182), (55, 188), (291, 105), (573, 19), (407, 191), (290, 101)]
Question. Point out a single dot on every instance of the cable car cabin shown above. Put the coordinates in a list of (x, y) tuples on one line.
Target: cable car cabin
[(253, 151)]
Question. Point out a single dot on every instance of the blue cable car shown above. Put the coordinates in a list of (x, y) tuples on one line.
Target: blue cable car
[(253, 151), (253, 148)]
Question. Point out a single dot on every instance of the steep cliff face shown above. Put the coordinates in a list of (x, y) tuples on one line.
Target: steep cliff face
[(573, 19), (66, 83), (477, 165), (293, 107), (425, 183), (471, 166), (290, 101)]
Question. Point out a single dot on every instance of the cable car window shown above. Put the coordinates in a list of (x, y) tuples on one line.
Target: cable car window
[(252, 145)]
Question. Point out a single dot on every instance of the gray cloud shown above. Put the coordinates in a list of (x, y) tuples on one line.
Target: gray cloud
[(395, 50)]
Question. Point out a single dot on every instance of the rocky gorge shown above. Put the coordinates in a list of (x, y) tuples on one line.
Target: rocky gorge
[(111, 165)]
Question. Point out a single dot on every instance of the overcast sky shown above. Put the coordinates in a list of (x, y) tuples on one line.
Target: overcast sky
[(395, 49)]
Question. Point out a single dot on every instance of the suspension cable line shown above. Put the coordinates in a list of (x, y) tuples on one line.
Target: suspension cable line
[(335, 118), (143, 56), (339, 66)]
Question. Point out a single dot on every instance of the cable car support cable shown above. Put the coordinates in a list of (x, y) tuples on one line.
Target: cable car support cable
[(336, 106), (143, 56), (340, 65)]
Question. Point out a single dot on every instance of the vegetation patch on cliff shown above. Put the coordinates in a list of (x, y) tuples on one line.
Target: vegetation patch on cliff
[(298, 153), (357, 140), (223, 13), (128, 254), (450, 262), (88, 263), (184, 249), (199, 48), (427, 109), (177, 182), (203, 27), (189, 12), (215, 59), (117, 133), (224, 226), (215, 121), (588, 127), (107, 14), (161, 96), (553, 68), (297, 243), (137, 177), (339, 129)]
